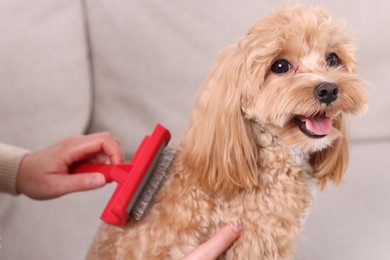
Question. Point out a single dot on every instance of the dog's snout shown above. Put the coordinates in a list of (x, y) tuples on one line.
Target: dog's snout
[(326, 92)]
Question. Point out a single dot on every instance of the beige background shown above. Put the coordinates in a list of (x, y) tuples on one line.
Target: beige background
[(72, 66)]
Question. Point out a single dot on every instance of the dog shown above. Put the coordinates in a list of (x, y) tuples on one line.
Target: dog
[(266, 130)]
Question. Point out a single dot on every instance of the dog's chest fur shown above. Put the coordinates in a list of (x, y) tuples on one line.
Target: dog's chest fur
[(185, 216), (273, 212)]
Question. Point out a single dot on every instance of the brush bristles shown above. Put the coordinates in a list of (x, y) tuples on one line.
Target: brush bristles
[(159, 174)]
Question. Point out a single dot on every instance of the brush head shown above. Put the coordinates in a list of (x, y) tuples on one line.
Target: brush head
[(158, 173)]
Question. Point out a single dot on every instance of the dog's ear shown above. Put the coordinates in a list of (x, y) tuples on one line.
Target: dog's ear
[(217, 147), (330, 163)]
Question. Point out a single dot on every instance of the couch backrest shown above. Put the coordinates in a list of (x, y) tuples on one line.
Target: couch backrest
[(148, 59), (44, 72)]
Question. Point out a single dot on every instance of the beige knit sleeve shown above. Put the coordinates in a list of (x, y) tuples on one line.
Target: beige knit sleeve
[(10, 158)]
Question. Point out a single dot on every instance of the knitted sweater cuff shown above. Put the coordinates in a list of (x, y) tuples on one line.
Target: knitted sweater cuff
[(10, 158)]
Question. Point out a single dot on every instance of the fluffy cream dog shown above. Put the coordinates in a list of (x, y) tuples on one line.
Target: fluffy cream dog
[(266, 127)]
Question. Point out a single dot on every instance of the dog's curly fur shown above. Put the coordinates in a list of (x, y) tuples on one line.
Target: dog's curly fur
[(243, 157)]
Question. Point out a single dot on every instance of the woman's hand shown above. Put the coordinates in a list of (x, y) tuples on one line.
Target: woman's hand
[(218, 244), (45, 174)]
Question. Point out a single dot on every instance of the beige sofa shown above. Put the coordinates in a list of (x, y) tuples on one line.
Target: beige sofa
[(72, 66)]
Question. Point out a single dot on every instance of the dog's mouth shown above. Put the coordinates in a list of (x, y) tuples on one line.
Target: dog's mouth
[(316, 127)]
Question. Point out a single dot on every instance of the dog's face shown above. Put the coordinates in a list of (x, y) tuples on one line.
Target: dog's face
[(306, 77), (292, 76)]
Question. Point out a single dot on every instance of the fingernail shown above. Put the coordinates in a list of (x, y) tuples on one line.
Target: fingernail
[(102, 158), (237, 226), (98, 180)]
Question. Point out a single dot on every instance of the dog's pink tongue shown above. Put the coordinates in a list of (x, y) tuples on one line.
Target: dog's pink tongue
[(319, 125)]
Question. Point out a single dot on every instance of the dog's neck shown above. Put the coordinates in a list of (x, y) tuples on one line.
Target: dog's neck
[(265, 138), (299, 156)]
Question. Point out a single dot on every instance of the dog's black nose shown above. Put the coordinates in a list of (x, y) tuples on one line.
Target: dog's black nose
[(326, 92)]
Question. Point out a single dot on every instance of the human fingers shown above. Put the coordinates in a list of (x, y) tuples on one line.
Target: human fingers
[(78, 148), (218, 244), (56, 185)]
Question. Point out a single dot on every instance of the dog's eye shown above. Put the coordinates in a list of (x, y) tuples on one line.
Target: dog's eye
[(332, 60), (281, 66)]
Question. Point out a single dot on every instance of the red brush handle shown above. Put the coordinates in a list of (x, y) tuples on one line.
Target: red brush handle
[(129, 176)]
